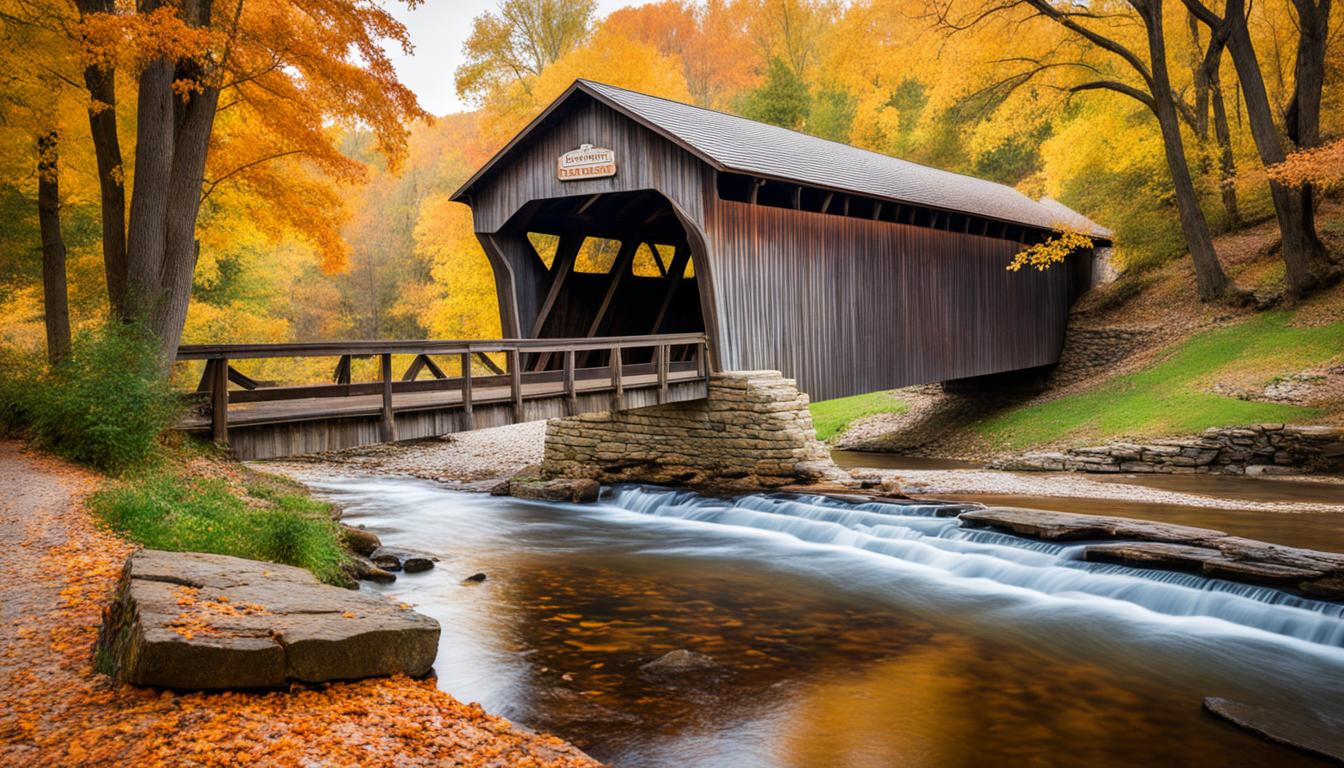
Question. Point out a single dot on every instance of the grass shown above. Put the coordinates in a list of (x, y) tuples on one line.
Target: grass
[(164, 508), (1173, 397), (831, 417)]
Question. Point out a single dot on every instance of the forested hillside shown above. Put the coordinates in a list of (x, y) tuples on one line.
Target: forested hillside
[(337, 225)]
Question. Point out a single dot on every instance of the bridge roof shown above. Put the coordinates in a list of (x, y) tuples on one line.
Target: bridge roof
[(736, 144)]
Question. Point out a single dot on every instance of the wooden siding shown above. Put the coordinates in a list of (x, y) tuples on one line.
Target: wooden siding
[(848, 305), (644, 161), (844, 305)]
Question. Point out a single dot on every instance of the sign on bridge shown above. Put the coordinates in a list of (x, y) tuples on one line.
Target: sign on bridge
[(586, 162)]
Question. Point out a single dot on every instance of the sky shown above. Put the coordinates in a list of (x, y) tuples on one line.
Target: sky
[(438, 29)]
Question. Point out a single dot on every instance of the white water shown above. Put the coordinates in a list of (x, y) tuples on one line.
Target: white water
[(913, 538), (983, 613)]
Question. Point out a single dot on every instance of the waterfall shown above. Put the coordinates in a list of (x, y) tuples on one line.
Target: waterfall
[(915, 536)]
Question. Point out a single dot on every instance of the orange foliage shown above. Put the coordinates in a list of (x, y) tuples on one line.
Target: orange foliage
[(1323, 166), (55, 710)]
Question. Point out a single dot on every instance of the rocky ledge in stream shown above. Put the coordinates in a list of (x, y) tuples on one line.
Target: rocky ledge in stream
[(1148, 544), (199, 621)]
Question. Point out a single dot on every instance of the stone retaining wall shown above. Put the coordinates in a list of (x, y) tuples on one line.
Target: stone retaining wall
[(1261, 449), (753, 431)]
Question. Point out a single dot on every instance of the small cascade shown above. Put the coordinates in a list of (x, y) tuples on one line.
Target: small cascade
[(914, 536)]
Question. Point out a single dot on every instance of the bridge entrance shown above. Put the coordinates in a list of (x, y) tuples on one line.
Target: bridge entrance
[(617, 264)]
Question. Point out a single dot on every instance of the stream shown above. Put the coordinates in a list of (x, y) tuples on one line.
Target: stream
[(844, 635)]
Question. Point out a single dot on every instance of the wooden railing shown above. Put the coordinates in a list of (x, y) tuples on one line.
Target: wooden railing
[(690, 348)]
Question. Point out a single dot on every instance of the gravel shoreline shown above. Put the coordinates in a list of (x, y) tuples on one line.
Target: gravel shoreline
[(474, 461)]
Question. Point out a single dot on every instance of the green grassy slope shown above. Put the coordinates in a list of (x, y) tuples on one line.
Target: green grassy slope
[(833, 416), (1173, 396)]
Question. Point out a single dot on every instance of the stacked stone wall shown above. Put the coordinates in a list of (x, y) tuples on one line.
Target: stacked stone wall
[(753, 431), (1261, 449)]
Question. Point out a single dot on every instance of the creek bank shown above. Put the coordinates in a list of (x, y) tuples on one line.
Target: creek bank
[(1147, 544), (197, 621), (1259, 449)]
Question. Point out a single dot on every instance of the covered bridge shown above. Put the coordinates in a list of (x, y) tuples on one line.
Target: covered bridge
[(615, 213)]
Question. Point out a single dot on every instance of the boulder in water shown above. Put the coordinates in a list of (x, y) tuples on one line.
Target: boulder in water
[(679, 662), (359, 540), (402, 560), (1306, 733), (199, 621)]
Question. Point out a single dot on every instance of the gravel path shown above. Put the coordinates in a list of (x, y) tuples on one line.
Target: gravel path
[(474, 459), (56, 710), (931, 482)]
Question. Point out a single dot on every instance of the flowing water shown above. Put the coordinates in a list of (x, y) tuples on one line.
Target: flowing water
[(845, 635)]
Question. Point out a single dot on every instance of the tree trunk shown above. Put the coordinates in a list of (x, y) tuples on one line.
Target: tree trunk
[(1303, 254), (56, 306), (1304, 123), (1210, 281), (1227, 162), (102, 87)]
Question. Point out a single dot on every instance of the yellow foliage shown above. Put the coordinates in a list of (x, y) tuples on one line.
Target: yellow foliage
[(1054, 250), (464, 303)]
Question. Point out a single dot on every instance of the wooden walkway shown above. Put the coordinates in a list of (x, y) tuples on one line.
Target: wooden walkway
[(540, 379)]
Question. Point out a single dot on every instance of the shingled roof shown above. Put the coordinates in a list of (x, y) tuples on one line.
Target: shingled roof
[(738, 145)]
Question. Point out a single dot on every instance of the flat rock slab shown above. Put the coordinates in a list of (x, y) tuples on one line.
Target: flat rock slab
[(1067, 526), (1305, 734), (199, 621), (1148, 544)]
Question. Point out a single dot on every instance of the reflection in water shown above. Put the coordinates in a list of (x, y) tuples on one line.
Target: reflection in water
[(845, 636)]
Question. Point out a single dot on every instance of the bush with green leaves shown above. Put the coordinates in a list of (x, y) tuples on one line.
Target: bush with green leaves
[(107, 405), (163, 510)]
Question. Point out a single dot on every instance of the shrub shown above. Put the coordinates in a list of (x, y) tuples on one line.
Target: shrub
[(18, 384), (162, 510), (107, 405)]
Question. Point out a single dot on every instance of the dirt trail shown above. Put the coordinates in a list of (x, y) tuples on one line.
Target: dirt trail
[(55, 710)]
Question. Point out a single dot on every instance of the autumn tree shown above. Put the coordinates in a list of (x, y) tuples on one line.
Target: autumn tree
[(290, 69), (518, 41), (1304, 255), (1141, 74)]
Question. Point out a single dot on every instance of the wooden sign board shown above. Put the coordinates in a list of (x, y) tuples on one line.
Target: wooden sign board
[(586, 162)]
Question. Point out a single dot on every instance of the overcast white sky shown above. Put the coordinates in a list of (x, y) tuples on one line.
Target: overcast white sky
[(438, 28)]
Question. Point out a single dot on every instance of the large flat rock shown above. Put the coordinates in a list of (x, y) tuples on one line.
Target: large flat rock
[(1068, 526), (1149, 544), (1304, 733), (201, 621)]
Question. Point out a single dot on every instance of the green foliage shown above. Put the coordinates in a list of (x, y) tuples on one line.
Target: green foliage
[(832, 114), (106, 406), (163, 510), (18, 377), (831, 417), (1173, 397), (781, 100)]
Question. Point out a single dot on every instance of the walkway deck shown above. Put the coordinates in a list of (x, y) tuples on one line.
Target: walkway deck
[(260, 422)]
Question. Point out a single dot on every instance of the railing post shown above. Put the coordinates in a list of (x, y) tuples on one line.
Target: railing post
[(702, 359), (466, 391), (219, 402), (571, 397), (388, 428), (516, 384), (618, 398), (661, 352)]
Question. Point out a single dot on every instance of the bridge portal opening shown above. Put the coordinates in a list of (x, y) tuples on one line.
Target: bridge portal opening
[(605, 265)]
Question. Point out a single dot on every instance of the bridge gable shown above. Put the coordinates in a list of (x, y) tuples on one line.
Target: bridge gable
[(525, 170)]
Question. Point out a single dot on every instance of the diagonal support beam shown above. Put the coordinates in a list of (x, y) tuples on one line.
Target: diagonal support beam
[(674, 275)]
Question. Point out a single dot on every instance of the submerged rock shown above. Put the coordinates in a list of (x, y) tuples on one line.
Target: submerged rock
[(475, 578), (680, 661), (1291, 729), (198, 621)]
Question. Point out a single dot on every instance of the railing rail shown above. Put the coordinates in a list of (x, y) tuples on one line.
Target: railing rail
[(219, 371)]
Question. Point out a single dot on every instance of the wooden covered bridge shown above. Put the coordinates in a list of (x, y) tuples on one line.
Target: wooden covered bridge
[(639, 244)]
